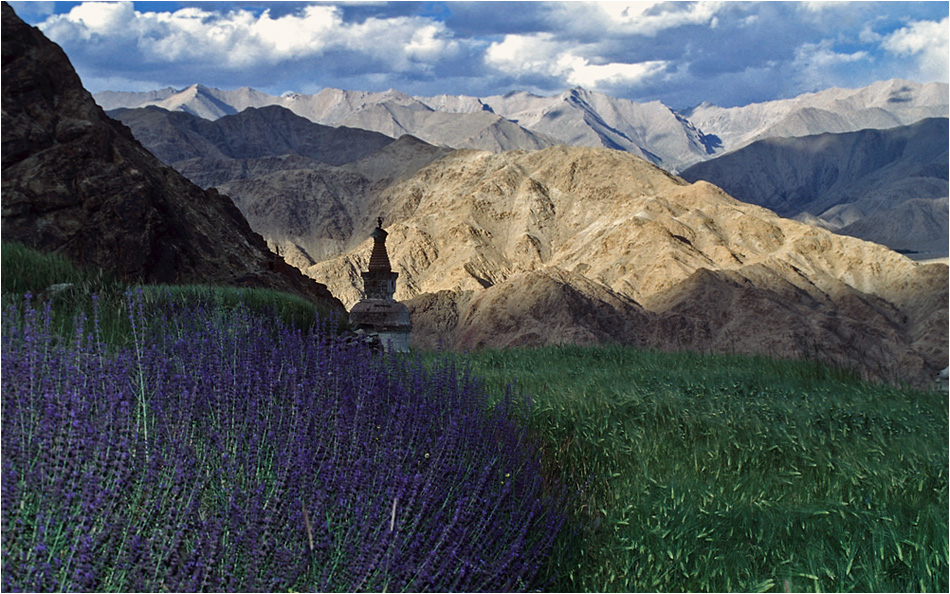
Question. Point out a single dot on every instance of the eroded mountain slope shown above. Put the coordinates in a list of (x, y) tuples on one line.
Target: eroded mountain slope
[(575, 244)]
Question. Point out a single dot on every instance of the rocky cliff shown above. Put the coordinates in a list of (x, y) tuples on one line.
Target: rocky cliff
[(77, 182)]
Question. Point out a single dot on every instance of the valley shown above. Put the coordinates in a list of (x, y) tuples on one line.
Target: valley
[(652, 349)]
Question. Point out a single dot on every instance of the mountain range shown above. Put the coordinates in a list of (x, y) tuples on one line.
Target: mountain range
[(585, 245), (672, 139), (782, 154), (575, 244), (855, 183)]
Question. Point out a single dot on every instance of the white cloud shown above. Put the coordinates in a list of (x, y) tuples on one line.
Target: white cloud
[(520, 55), (580, 72), (641, 18), (818, 66), (93, 18), (239, 38), (868, 35), (821, 55), (927, 42), (404, 43), (541, 55), (820, 5), (293, 35)]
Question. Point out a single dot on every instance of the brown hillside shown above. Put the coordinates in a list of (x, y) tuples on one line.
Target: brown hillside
[(572, 244)]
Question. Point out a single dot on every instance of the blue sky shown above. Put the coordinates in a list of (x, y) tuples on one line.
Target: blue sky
[(681, 53)]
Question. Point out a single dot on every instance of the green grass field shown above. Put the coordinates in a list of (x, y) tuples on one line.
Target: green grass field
[(714, 473), (687, 472)]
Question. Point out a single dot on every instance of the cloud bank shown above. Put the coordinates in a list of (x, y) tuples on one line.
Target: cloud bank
[(682, 53)]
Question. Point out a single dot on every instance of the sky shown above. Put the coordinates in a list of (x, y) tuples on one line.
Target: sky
[(680, 53)]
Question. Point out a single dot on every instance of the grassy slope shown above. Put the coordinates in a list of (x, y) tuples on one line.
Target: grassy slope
[(28, 271)]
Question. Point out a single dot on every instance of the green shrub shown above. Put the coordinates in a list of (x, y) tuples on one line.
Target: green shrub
[(291, 309), (26, 270)]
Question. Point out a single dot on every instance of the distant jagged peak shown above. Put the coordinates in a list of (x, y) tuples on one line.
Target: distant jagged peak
[(194, 90), (674, 138), (887, 91), (876, 93), (879, 105), (398, 95), (575, 95)]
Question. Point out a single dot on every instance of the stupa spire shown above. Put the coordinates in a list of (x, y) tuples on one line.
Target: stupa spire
[(379, 259)]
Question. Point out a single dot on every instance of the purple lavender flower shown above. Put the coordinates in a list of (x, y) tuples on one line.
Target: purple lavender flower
[(223, 450)]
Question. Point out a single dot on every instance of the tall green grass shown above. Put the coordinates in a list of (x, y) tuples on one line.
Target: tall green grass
[(717, 473), (69, 290)]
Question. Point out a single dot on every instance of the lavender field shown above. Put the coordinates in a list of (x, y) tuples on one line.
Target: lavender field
[(224, 450)]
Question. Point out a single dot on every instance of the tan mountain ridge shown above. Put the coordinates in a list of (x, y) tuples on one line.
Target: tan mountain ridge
[(586, 245)]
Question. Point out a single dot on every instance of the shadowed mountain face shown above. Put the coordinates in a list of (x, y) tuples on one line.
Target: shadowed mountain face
[(888, 186), (77, 182), (580, 245), (252, 134), (302, 185)]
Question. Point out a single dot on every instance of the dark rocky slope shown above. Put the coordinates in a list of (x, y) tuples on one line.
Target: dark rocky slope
[(301, 185), (254, 133), (77, 182)]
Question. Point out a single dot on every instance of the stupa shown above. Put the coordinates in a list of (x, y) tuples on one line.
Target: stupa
[(378, 314)]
